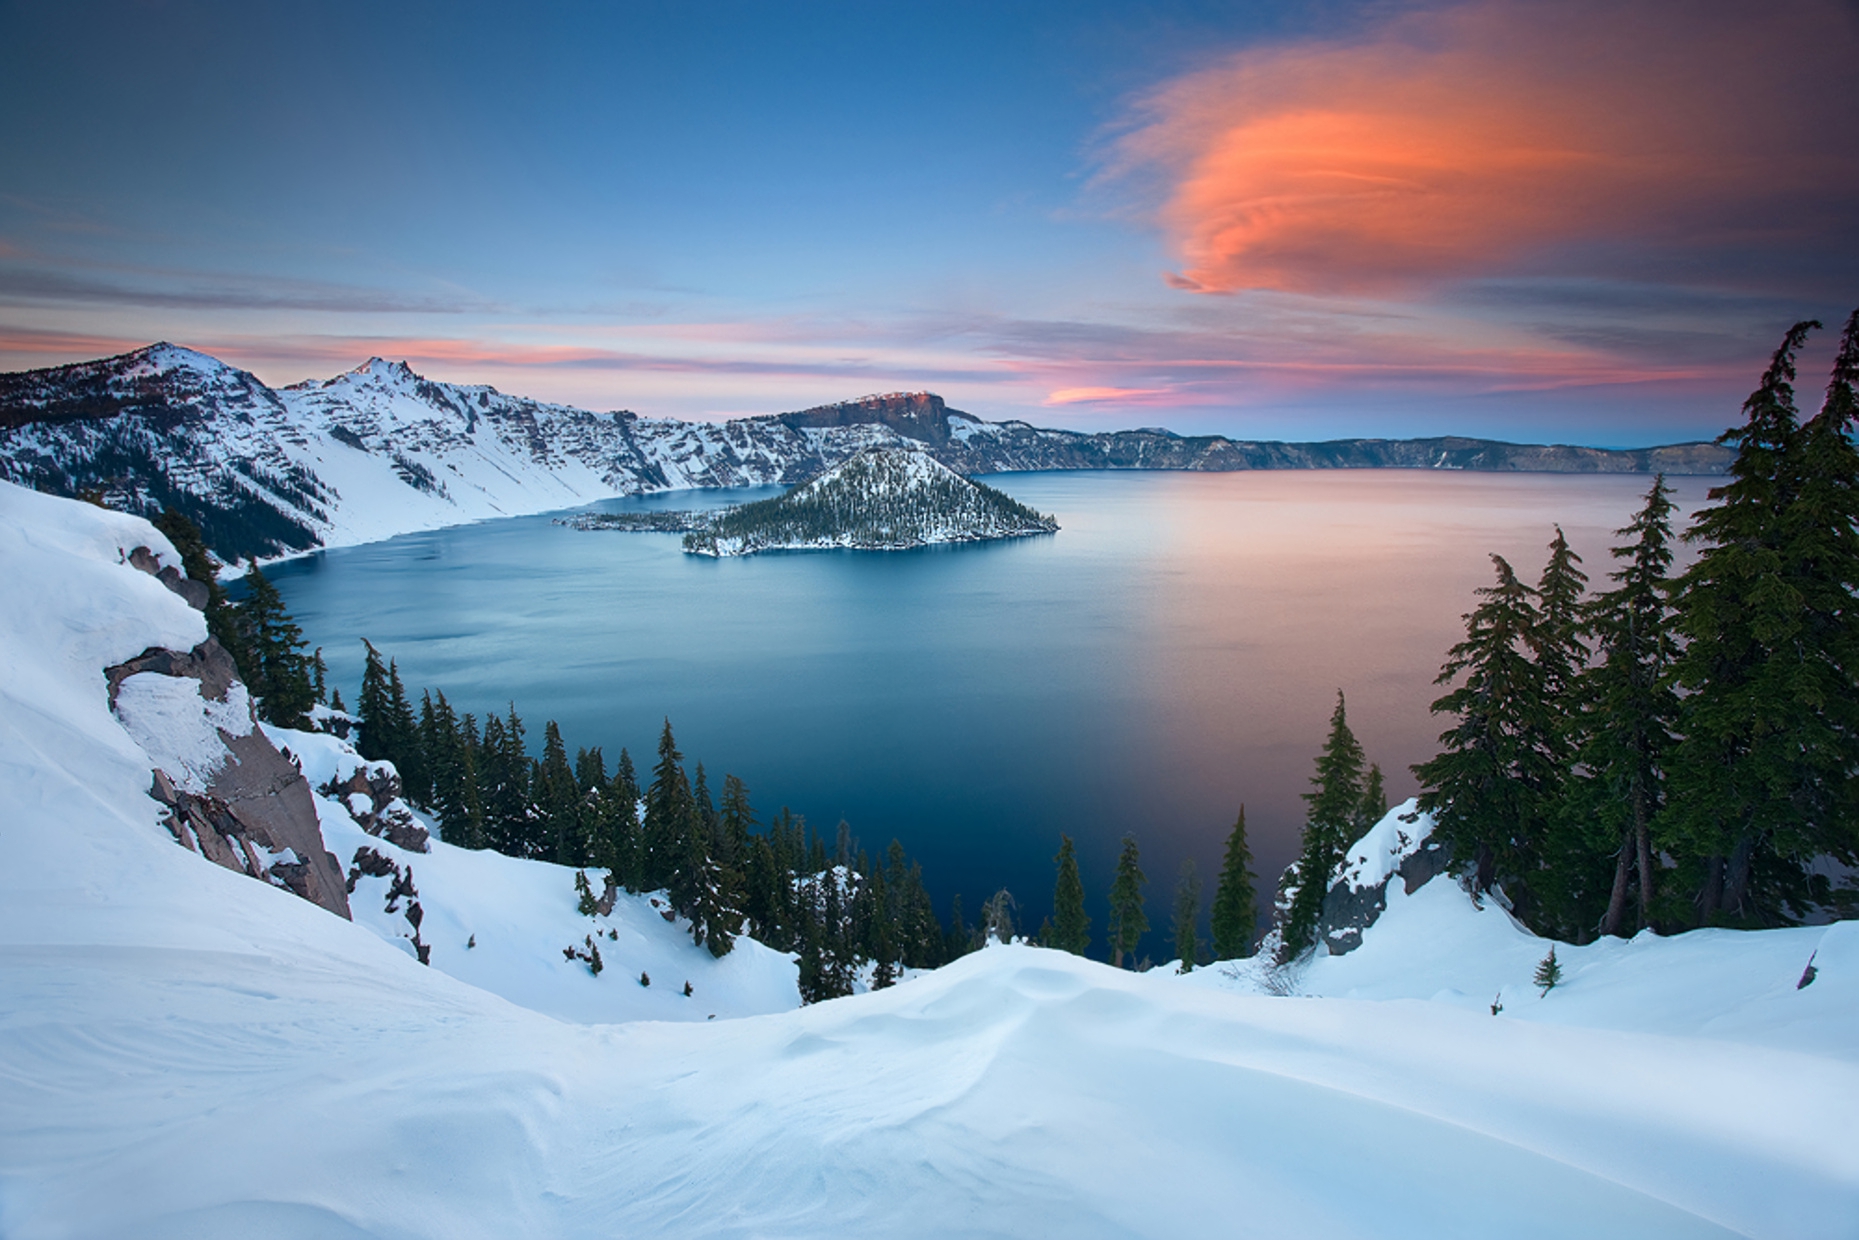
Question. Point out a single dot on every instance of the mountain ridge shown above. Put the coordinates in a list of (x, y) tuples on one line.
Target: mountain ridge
[(380, 450)]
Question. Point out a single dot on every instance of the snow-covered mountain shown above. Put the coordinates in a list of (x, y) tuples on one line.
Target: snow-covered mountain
[(380, 450), (881, 499), (191, 1053)]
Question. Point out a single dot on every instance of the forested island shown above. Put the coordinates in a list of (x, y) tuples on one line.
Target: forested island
[(879, 499)]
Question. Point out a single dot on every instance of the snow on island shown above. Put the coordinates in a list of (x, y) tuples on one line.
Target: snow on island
[(879, 499)]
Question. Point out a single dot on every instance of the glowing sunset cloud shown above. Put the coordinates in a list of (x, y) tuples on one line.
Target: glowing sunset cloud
[(1503, 138)]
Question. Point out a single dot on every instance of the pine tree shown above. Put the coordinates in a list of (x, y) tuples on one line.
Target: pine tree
[(558, 803), (1335, 801), (1187, 917), (1071, 925), (1486, 789), (1235, 909), (668, 813), (372, 708), (1374, 800), (1627, 711), (270, 654), (199, 565), (1548, 972), (407, 754), (1761, 780), (1127, 922)]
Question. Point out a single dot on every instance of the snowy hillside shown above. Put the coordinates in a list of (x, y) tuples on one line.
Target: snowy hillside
[(191, 1053), (879, 499), (380, 450)]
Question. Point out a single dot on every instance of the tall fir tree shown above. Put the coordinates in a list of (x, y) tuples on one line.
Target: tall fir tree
[(1626, 713), (1187, 917), (1486, 788), (199, 565), (270, 654), (1071, 925), (668, 813), (558, 803), (1761, 770), (1335, 805), (1236, 906), (1127, 922)]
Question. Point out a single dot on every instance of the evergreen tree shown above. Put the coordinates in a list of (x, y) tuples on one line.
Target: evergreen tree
[(1235, 909), (619, 845), (668, 813), (372, 708), (199, 565), (270, 654), (1071, 925), (1486, 789), (558, 803), (405, 750), (1187, 917), (1127, 922), (1761, 779), (1628, 710), (1335, 802), (1374, 800), (1548, 972), (959, 939)]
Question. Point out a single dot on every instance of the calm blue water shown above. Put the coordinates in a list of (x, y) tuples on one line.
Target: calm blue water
[(1173, 652)]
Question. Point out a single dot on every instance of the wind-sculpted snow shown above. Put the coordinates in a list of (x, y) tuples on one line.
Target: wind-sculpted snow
[(187, 1053), (380, 450)]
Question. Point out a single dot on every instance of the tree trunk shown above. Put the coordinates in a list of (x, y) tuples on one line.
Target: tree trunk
[(1710, 896), (1617, 899), (1736, 875), (1644, 834)]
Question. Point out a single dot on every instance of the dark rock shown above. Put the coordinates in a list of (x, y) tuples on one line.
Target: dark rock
[(194, 593)]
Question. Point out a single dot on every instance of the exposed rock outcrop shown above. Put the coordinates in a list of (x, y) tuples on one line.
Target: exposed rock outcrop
[(230, 795)]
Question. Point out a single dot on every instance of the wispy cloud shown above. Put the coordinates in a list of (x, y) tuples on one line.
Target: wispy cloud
[(1500, 136), (31, 285)]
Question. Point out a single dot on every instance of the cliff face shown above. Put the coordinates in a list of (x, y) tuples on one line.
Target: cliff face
[(228, 793), (380, 450)]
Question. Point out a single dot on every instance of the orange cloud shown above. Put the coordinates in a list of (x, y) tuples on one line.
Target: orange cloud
[(1507, 137), (1092, 395)]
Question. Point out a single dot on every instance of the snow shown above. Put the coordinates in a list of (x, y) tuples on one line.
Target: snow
[(1371, 859), (178, 729), (188, 1052)]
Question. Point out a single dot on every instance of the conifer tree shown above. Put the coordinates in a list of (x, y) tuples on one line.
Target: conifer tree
[(1485, 789), (1071, 925), (270, 654), (1235, 909), (405, 750), (959, 939), (199, 565), (1187, 917), (1628, 710), (1127, 922), (1335, 802), (1374, 800), (558, 802), (668, 814), (1762, 771), (1548, 972)]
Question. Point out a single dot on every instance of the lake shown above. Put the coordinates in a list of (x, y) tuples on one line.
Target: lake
[(1175, 650)]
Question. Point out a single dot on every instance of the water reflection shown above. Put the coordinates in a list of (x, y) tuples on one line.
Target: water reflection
[(1174, 651)]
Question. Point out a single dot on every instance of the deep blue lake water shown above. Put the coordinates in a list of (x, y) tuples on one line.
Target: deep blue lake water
[(1175, 650)]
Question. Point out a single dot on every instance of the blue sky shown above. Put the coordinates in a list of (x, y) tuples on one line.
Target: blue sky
[(1270, 220)]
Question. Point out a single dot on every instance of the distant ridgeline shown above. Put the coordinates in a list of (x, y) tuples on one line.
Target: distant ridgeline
[(380, 451), (881, 499)]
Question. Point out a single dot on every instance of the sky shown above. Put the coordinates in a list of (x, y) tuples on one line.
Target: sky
[(1577, 222)]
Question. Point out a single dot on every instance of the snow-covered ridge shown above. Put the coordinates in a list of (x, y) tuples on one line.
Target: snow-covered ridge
[(379, 450), (191, 1053)]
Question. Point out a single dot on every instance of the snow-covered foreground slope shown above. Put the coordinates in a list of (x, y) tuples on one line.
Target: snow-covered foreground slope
[(185, 1052)]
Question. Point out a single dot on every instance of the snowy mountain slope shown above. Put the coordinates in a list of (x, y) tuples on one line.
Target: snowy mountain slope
[(501, 923), (186, 1052), (883, 498), (380, 450)]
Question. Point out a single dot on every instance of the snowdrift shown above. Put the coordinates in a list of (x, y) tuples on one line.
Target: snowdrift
[(187, 1052)]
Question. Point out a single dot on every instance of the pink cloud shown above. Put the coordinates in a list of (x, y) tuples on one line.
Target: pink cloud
[(1498, 135)]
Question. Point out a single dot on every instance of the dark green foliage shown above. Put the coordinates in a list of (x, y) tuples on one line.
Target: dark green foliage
[(1548, 972), (872, 500), (1186, 923), (1127, 922), (557, 801), (1622, 720), (1761, 781), (269, 652), (200, 566), (585, 904), (669, 811), (1374, 800), (1235, 909), (1335, 805), (1486, 790), (1071, 925)]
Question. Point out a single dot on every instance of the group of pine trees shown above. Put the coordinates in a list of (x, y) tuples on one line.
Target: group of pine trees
[(834, 907), (1234, 914), (1675, 751)]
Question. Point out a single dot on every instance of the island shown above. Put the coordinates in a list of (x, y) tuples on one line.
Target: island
[(885, 498)]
